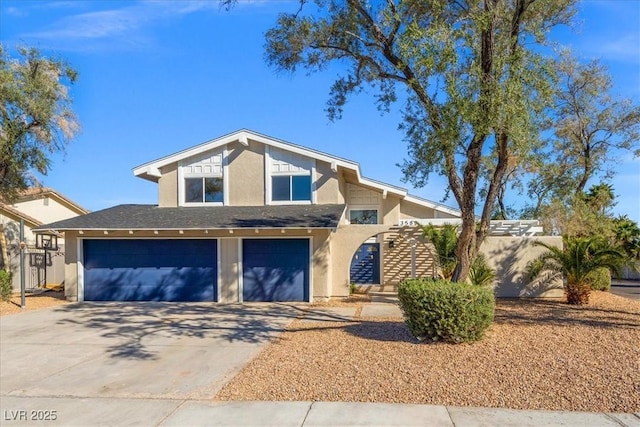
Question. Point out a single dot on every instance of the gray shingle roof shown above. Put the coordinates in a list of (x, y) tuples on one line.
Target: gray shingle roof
[(152, 217)]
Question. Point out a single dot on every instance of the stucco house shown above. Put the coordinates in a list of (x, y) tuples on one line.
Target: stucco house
[(247, 217), (35, 207)]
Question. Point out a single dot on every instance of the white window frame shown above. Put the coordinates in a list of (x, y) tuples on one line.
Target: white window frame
[(225, 183), (268, 187)]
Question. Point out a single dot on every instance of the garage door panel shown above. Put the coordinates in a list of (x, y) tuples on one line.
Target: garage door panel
[(150, 270), (274, 284), (157, 284), (275, 270)]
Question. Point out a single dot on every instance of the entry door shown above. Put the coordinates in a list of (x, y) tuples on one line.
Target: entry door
[(365, 265)]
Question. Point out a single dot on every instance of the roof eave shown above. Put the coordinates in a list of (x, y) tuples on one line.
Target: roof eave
[(151, 170)]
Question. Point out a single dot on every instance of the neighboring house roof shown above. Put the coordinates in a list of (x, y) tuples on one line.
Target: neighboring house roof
[(35, 193), (152, 217), (151, 170), (16, 215)]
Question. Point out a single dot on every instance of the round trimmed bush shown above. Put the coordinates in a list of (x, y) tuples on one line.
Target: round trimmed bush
[(600, 279), (440, 310)]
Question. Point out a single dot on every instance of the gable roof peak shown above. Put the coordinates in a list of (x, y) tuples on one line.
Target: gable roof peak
[(151, 170)]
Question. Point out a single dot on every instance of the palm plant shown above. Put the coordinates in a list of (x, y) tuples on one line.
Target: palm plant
[(481, 274), (444, 239), (580, 258)]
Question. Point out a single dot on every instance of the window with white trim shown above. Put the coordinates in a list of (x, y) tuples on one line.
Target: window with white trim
[(291, 188), (202, 180), (289, 177), (203, 190)]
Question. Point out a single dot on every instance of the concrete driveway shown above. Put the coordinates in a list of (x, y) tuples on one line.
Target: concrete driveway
[(117, 351)]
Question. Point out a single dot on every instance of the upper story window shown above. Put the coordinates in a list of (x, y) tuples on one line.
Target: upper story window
[(363, 216), (203, 190), (364, 205), (289, 177), (202, 180), (291, 188)]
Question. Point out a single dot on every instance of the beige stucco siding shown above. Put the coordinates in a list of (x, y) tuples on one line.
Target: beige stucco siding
[(509, 257), (391, 210), (321, 265), (327, 185), (168, 186), (45, 209), (246, 174), (71, 266), (410, 210), (228, 253)]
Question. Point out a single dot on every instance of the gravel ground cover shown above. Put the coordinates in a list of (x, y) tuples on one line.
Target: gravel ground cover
[(33, 302), (538, 354)]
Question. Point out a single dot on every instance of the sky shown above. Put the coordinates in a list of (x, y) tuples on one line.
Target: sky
[(156, 77)]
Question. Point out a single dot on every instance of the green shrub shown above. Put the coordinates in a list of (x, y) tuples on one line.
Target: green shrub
[(600, 279), (439, 310), (481, 274), (6, 287)]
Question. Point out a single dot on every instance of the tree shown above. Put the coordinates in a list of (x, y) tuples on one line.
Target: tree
[(580, 258), (584, 214), (472, 77), (37, 119), (627, 236), (600, 197), (589, 126)]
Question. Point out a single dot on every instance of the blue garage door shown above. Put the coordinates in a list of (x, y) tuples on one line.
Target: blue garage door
[(150, 270), (275, 270)]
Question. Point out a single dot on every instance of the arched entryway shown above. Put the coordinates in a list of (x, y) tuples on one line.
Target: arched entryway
[(388, 257)]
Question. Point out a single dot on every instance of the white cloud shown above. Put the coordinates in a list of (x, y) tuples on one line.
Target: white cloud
[(123, 27), (15, 11), (625, 48)]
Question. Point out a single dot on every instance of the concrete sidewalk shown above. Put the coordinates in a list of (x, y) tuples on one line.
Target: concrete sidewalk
[(65, 411)]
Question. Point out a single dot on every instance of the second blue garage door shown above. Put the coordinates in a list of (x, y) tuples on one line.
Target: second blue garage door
[(150, 270), (275, 270)]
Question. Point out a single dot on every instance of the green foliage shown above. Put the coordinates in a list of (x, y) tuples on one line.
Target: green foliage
[(627, 236), (36, 116), (590, 128), (600, 279), (353, 288), (481, 274), (600, 197), (579, 259), (444, 239), (439, 310), (6, 287), (473, 78)]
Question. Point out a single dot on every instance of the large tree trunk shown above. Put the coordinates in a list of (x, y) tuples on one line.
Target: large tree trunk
[(465, 248)]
